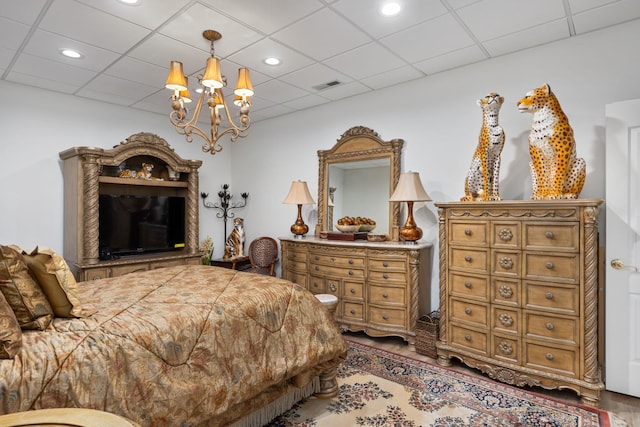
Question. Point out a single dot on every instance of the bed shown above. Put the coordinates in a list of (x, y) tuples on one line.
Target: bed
[(186, 345)]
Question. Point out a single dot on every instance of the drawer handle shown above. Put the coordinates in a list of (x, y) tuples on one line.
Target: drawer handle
[(467, 337), (385, 276), (506, 319), (317, 268), (317, 257), (350, 272), (352, 311), (505, 234), (351, 261), (352, 290), (549, 326), (506, 263), (548, 235), (96, 278), (467, 285), (384, 264), (548, 295), (467, 258), (549, 265), (333, 287), (333, 259), (549, 356), (385, 295), (385, 317), (467, 232), (505, 347), (467, 310), (505, 291)]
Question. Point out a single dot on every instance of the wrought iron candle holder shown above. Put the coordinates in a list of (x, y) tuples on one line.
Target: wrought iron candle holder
[(225, 206)]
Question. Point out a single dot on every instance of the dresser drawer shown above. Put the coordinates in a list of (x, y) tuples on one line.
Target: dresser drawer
[(468, 339), (387, 264), (552, 267), (505, 234), (562, 361), (553, 298), (505, 291), (126, 269), (353, 290), (505, 348), (469, 233), (392, 277), (320, 269), (337, 261), (297, 265), (316, 285), (297, 256), (299, 278), (469, 286), (387, 316), (472, 260), (94, 274), (556, 328), (506, 320), (353, 310), (553, 236), (386, 295), (469, 312), (506, 263)]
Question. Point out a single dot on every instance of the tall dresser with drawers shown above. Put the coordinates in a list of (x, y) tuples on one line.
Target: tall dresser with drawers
[(382, 288), (519, 292)]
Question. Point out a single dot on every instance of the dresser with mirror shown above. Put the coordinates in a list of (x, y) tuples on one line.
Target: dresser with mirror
[(382, 287)]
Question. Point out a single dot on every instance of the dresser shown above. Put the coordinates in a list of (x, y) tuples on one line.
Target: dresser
[(519, 292), (382, 288)]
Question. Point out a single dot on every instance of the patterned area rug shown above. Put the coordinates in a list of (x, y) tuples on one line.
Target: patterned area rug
[(378, 388)]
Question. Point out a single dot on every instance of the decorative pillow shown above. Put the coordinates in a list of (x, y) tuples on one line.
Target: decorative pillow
[(10, 332), (28, 302), (56, 281)]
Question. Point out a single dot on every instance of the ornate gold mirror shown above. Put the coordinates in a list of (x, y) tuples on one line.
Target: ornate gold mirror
[(356, 178)]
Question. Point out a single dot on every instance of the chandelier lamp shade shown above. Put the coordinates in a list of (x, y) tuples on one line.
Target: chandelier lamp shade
[(299, 195), (213, 82), (410, 190)]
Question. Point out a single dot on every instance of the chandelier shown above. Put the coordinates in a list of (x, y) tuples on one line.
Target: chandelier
[(212, 82)]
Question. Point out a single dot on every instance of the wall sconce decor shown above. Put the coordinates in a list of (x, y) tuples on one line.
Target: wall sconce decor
[(225, 206), (213, 82), (299, 195), (410, 190)]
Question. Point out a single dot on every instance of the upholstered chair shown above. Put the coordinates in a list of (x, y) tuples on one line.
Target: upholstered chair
[(263, 254)]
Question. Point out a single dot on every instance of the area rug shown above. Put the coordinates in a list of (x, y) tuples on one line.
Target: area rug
[(378, 388)]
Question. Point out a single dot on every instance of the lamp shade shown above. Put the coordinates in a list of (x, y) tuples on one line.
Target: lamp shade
[(212, 77), (244, 86), (176, 79), (184, 94), (409, 189), (299, 194)]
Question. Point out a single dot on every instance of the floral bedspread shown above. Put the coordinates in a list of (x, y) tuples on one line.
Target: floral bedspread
[(173, 346)]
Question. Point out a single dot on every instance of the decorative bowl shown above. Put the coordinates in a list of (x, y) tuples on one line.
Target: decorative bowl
[(348, 228), (376, 237), (367, 227)]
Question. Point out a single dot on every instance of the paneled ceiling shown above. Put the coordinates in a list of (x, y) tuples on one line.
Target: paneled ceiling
[(330, 49)]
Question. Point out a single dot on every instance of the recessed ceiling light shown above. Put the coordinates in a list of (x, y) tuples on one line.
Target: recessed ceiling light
[(390, 9), (130, 2), (272, 61), (71, 53)]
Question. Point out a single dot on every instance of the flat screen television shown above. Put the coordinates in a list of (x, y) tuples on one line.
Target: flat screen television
[(131, 225)]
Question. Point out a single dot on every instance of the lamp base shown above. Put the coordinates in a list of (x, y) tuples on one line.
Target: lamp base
[(299, 229), (410, 234)]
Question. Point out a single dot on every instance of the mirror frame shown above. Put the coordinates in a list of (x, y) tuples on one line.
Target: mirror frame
[(356, 144)]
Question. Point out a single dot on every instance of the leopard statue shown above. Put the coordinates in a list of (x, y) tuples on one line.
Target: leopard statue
[(556, 171), (234, 246), (143, 173), (482, 178)]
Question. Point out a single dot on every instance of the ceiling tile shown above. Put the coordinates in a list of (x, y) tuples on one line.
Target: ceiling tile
[(277, 91), (6, 56), (149, 14), (530, 37), (138, 71), (322, 35), (117, 90), (316, 74), (451, 60), (366, 15), (365, 61), (344, 91), (52, 71), (427, 39), (37, 81), (601, 17), (578, 6), (393, 77), (25, 12), (306, 102), (80, 22), (254, 55), (161, 50), (12, 33)]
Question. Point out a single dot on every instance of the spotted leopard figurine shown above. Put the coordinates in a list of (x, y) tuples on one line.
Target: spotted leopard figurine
[(482, 181), (234, 246), (556, 171)]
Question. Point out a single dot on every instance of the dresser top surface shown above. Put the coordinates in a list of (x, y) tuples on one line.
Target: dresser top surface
[(359, 243)]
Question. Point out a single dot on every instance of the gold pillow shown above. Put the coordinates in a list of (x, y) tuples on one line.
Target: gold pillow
[(10, 332), (56, 281), (28, 302)]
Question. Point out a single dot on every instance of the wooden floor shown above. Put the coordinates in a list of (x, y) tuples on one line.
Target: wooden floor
[(624, 406)]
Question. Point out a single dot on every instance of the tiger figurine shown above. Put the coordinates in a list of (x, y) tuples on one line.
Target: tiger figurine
[(556, 171), (482, 181), (234, 246)]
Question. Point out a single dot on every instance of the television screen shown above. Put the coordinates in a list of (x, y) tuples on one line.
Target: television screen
[(140, 224)]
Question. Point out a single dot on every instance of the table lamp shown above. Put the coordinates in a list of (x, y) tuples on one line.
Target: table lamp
[(299, 195), (410, 189)]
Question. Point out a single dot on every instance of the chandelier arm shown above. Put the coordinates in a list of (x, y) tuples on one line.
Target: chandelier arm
[(235, 130)]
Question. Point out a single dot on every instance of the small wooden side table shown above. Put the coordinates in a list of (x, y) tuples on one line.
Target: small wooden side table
[(238, 263)]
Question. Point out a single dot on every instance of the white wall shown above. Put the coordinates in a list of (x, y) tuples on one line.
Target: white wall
[(436, 116)]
